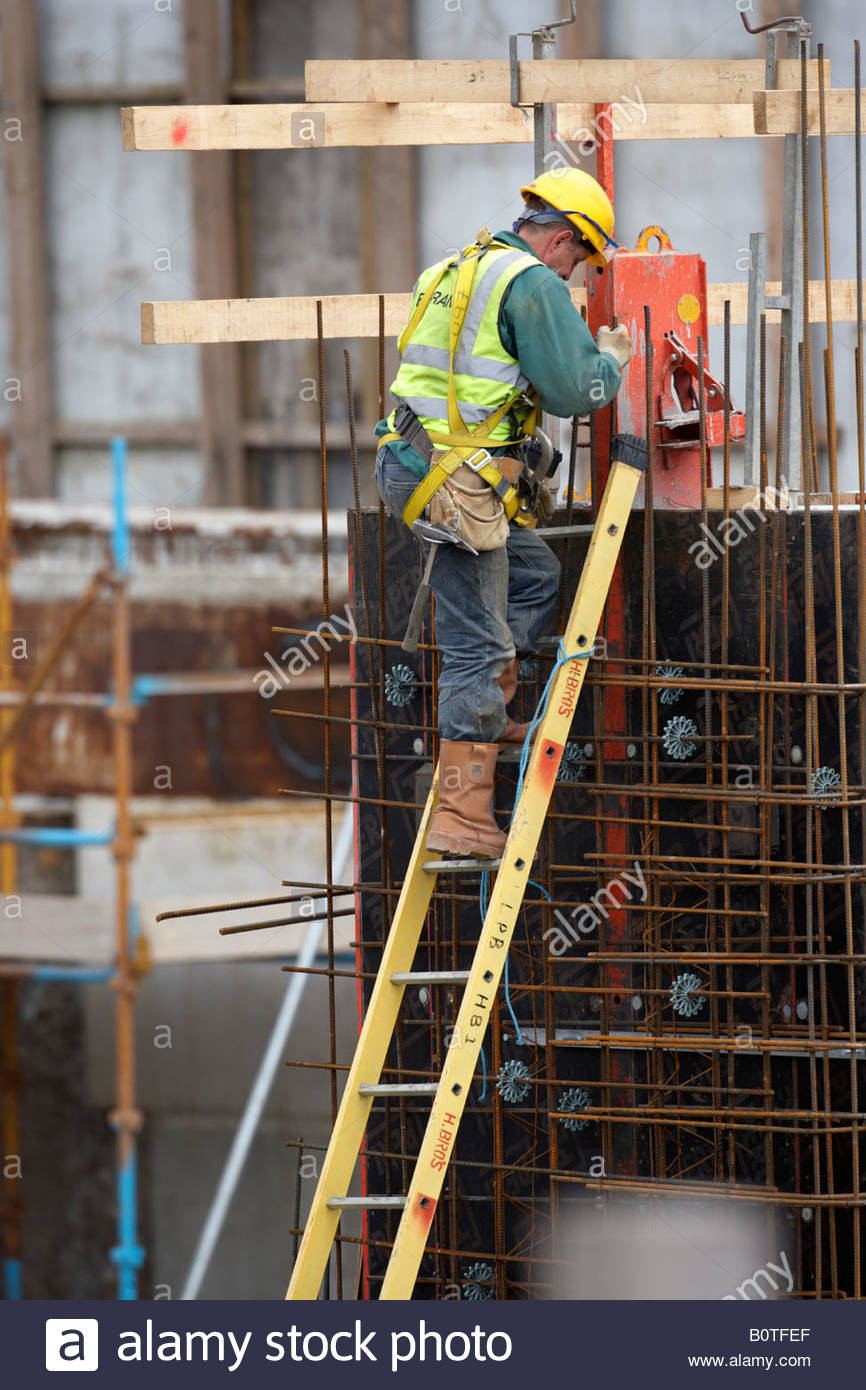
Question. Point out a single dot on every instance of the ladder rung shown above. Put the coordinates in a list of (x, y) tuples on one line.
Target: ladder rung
[(399, 1088), (585, 529), (368, 1201), (431, 977), (459, 866)]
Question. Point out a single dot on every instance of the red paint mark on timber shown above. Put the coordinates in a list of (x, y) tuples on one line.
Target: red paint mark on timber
[(423, 1212), (179, 130), (548, 764)]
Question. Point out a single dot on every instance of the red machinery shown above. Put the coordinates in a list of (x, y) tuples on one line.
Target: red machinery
[(673, 284)]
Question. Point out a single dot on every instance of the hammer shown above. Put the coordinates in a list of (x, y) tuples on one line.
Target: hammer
[(435, 536)]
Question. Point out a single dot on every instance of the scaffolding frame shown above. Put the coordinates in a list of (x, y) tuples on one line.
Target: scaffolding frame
[(127, 692), (124, 974)]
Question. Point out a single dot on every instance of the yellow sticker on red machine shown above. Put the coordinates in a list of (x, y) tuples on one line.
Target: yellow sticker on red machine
[(688, 308)]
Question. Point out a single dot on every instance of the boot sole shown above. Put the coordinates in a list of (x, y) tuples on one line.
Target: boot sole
[(461, 849), (470, 867)]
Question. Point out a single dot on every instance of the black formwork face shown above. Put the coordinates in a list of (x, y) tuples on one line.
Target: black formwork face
[(728, 811)]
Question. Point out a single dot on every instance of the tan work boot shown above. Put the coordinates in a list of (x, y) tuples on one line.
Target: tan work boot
[(463, 823), (513, 734)]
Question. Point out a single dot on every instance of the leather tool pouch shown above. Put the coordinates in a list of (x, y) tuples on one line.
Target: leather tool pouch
[(469, 505)]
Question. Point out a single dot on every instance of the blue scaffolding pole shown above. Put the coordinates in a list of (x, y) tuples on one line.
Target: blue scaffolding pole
[(127, 1255), (57, 836), (11, 1278)]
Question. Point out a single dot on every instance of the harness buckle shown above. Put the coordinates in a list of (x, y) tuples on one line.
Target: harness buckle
[(477, 459)]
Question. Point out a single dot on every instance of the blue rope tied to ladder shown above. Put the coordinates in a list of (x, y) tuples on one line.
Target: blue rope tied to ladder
[(484, 890), (519, 1038), (483, 897), (541, 709)]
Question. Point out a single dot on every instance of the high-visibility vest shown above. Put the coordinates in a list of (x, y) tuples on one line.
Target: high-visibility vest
[(486, 376)]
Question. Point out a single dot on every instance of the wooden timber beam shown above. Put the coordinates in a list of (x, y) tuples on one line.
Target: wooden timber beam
[(357, 315), (28, 384), (264, 320), (559, 80), (309, 126), (778, 113)]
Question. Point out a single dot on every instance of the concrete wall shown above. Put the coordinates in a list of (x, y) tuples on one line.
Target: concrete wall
[(307, 240), (119, 228), (201, 1029)]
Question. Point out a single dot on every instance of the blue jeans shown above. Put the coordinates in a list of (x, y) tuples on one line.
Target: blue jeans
[(489, 608)]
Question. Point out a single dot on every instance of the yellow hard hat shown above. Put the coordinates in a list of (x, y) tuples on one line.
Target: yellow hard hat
[(580, 198)]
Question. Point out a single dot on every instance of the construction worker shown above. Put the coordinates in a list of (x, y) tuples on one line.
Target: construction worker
[(493, 339)]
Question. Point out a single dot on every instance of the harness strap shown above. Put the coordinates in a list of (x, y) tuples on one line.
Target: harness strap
[(473, 453), (479, 462), (469, 254)]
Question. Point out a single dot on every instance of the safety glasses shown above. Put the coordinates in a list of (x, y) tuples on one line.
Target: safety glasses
[(608, 250)]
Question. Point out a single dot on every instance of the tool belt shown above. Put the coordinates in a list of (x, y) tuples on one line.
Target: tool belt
[(464, 488), (472, 507)]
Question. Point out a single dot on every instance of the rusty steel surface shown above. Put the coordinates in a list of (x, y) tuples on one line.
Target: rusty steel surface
[(215, 731)]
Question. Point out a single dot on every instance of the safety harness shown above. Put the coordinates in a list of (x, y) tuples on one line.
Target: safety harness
[(461, 444)]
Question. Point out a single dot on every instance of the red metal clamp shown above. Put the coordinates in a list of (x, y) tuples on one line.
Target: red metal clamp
[(679, 403)]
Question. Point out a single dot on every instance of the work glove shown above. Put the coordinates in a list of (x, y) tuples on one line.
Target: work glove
[(545, 504), (616, 342)]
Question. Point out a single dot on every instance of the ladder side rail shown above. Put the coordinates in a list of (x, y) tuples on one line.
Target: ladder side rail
[(369, 1059)]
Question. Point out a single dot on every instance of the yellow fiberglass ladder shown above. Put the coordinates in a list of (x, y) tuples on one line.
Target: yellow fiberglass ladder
[(449, 1095)]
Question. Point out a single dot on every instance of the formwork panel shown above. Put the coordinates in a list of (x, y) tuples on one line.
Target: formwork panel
[(687, 1011)]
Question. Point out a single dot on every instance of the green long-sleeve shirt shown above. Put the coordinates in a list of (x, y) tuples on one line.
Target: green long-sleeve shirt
[(539, 325)]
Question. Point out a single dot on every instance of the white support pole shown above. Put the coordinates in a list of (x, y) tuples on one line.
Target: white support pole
[(258, 1096)]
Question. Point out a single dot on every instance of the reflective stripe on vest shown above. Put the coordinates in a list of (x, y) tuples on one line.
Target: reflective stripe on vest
[(485, 374), (428, 408), (422, 355)]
